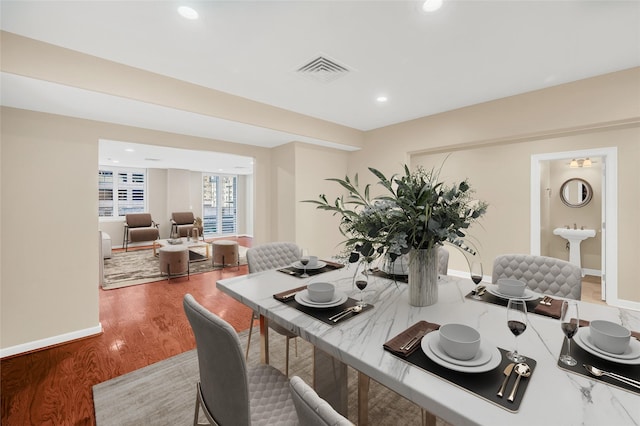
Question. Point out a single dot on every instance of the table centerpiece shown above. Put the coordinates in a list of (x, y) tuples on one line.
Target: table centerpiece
[(413, 216)]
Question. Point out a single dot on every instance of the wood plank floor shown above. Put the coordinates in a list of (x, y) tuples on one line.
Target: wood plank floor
[(142, 325)]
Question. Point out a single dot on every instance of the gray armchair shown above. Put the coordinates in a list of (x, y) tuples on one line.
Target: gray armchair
[(230, 393), (542, 274), (139, 227)]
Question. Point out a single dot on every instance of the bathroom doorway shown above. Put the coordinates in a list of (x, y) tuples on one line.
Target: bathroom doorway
[(542, 189)]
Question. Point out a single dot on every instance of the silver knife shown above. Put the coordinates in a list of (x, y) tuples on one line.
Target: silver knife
[(344, 312)]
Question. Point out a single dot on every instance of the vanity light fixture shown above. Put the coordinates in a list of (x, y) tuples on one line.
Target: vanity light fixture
[(187, 12), (431, 5), (580, 162)]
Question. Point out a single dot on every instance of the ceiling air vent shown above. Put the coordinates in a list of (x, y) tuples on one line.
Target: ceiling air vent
[(323, 70)]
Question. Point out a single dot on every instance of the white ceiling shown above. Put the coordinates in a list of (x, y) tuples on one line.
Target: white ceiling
[(466, 53)]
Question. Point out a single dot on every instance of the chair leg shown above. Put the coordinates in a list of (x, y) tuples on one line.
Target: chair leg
[(197, 413), (286, 358), (253, 317), (428, 419)]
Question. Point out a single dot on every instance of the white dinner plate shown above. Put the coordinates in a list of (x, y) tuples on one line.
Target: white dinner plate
[(630, 356), (483, 356), (527, 296), (319, 265), (302, 297), (496, 357)]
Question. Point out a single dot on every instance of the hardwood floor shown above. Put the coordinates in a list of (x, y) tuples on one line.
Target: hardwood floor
[(142, 325)]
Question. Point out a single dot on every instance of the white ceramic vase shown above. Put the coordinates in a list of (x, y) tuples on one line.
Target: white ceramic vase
[(423, 277)]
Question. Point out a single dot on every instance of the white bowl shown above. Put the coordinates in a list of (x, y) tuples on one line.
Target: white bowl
[(459, 341), (321, 292), (609, 336), (511, 287)]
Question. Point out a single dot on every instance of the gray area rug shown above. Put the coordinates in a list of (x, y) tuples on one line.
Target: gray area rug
[(141, 266), (164, 393)]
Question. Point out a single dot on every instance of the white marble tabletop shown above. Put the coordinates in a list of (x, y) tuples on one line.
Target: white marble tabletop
[(554, 396)]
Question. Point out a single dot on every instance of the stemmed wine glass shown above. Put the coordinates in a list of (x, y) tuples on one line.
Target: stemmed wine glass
[(569, 323), (476, 276), (304, 259), (361, 282), (517, 323)]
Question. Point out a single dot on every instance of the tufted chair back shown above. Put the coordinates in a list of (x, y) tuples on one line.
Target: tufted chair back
[(272, 256), (313, 410), (542, 274), (443, 260)]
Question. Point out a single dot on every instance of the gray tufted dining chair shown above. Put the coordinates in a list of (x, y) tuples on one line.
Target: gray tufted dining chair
[(271, 256), (230, 393), (443, 260), (313, 410), (542, 274)]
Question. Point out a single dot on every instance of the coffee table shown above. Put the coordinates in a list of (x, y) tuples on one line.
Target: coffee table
[(193, 256)]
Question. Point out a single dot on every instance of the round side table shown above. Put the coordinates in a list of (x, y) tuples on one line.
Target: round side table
[(225, 253), (174, 260)]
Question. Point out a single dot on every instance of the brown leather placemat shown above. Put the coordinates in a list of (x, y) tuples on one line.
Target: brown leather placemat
[(379, 273), (584, 357), (295, 272), (484, 385), (490, 298)]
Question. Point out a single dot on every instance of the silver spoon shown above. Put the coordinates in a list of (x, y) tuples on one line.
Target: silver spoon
[(522, 370), (354, 310), (597, 372)]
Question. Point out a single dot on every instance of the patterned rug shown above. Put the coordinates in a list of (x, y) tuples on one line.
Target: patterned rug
[(141, 266)]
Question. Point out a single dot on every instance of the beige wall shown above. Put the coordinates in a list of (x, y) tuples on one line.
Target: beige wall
[(49, 204), (42, 149), (49, 227), (318, 233)]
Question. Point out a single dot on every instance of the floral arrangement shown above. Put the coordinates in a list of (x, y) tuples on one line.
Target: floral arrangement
[(416, 212)]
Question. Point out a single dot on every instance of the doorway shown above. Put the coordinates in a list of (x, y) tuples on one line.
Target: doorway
[(609, 225)]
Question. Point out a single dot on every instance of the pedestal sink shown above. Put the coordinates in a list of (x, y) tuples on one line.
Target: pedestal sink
[(575, 237)]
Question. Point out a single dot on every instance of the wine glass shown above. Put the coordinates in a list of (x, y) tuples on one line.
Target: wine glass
[(569, 324), (476, 276), (361, 282), (517, 323), (304, 259)]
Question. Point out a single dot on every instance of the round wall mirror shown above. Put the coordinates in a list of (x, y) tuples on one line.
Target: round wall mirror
[(576, 192)]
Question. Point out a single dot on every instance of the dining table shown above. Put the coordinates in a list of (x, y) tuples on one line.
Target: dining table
[(551, 395)]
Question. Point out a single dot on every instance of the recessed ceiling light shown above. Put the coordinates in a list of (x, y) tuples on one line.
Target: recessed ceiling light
[(382, 99), (130, 150), (187, 12), (431, 5)]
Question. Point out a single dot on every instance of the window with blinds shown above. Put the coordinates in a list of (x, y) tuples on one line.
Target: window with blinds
[(219, 204), (126, 194)]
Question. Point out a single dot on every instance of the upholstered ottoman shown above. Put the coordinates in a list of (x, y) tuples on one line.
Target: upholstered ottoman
[(225, 253), (174, 260)]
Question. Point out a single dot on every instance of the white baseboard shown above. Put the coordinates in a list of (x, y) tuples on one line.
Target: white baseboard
[(50, 341)]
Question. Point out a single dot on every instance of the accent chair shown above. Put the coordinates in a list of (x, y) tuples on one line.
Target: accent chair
[(139, 227)]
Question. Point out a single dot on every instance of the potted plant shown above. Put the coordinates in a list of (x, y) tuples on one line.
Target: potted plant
[(416, 213)]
